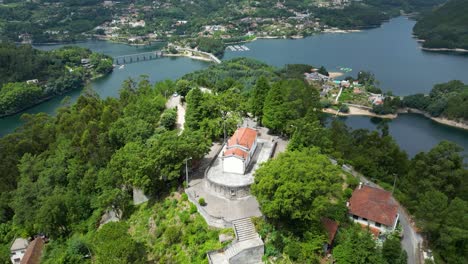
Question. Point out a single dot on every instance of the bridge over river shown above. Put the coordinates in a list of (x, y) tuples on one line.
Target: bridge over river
[(137, 57)]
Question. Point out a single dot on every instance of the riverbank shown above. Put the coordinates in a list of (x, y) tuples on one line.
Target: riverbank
[(444, 50), (356, 111), (187, 56), (440, 120)]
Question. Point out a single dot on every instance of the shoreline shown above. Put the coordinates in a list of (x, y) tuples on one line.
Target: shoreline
[(189, 56), (356, 111), (445, 50), (440, 120)]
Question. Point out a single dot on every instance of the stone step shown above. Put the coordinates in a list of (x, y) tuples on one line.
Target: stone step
[(244, 229), (232, 251)]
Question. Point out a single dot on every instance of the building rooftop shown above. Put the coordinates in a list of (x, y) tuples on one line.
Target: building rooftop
[(237, 152), (373, 204), (34, 252), (244, 137), (331, 227), (19, 244)]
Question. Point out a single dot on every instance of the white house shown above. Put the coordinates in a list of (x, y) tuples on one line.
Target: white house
[(18, 249), (239, 150), (375, 208)]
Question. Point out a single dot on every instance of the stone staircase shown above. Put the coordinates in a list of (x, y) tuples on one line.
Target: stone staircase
[(247, 248), (244, 229)]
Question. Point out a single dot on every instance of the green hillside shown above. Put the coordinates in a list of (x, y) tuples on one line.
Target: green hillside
[(445, 27)]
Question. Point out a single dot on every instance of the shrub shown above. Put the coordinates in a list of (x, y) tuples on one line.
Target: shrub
[(193, 208), (184, 197), (172, 234), (344, 108), (201, 201)]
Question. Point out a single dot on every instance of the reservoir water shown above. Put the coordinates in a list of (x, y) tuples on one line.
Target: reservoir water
[(157, 70), (389, 51)]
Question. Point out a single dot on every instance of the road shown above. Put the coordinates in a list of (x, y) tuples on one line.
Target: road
[(411, 238), (173, 102)]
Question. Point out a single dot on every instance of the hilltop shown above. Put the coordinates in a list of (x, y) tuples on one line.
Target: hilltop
[(445, 27)]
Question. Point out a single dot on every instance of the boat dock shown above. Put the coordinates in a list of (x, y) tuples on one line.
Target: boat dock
[(238, 48)]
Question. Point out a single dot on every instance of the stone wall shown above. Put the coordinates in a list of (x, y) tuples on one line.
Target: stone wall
[(229, 192), (249, 256)]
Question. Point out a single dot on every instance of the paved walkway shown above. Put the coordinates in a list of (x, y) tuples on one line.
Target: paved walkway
[(173, 102)]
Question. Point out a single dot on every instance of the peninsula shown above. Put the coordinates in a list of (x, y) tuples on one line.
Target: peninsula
[(29, 76)]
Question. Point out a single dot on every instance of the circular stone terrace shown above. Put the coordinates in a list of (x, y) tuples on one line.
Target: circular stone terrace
[(233, 185)]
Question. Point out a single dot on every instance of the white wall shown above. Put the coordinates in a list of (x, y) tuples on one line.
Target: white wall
[(233, 165), (17, 255), (383, 228)]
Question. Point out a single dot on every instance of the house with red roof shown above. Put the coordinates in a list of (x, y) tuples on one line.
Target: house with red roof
[(239, 150), (374, 208), (331, 227)]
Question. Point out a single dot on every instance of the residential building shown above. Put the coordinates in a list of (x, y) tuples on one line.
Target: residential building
[(332, 228), (374, 208), (34, 252), (315, 76), (18, 249), (239, 150)]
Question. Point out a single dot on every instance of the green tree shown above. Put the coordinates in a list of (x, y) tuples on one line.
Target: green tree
[(113, 245), (356, 246), (296, 186), (259, 94), (392, 251)]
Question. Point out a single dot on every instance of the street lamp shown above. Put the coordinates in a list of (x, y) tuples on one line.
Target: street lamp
[(394, 182), (186, 170)]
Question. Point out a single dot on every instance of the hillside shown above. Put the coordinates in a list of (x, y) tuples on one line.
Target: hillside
[(445, 27), (29, 76)]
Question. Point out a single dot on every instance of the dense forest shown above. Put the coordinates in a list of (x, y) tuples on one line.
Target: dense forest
[(445, 26), (448, 100), (71, 20), (64, 172), (28, 75)]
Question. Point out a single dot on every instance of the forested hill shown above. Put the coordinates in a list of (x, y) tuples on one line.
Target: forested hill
[(59, 175), (70, 20), (28, 76), (448, 100), (445, 27)]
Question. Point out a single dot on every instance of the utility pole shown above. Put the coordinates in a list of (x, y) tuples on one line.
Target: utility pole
[(186, 170), (394, 182)]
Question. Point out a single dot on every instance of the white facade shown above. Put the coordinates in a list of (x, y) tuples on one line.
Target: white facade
[(18, 249), (381, 227), (234, 164)]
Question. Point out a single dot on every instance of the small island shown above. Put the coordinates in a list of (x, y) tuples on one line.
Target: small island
[(29, 76)]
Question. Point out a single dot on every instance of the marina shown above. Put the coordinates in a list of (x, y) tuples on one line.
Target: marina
[(238, 48)]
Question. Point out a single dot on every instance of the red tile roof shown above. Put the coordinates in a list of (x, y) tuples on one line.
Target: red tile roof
[(34, 252), (331, 227), (243, 136), (374, 204), (236, 152)]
